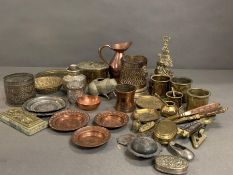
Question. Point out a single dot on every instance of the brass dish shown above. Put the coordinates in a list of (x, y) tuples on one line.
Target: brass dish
[(111, 119), (68, 120), (145, 115), (52, 72), (150, 102), (165, 131), (91, 136), (88, 103), (48, 84)]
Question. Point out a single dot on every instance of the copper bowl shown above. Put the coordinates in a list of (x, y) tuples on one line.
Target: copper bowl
[(68, 120), (88, 103), (111, 119), (91, 136)]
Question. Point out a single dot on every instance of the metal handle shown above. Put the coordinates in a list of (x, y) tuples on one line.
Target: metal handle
[(100, 53)]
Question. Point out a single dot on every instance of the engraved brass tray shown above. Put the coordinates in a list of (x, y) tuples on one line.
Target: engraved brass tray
[(48, 84), (68, 120), (150, 102), (91, 136), (111, 119), (146, 115), (44, 104)]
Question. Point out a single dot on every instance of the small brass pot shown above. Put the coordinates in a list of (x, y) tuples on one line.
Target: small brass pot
[(160, 84), (181, 84), (197, 97), (176, 97), (125, 97), (169, 109)]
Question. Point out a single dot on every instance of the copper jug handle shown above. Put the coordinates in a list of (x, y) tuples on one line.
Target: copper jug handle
[(100, 53)]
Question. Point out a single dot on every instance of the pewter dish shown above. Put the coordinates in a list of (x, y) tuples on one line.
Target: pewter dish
[(68, 120), (90, 136), (144, 147), (111, 119), (44, 104)]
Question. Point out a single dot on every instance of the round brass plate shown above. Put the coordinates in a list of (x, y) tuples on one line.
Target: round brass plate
[(147, 101), (111, 119), (91, 136)]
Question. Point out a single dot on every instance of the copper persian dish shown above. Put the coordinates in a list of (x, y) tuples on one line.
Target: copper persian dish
[(111, 119), (91, 136), (88, 102), (48, 84), (68, 120)]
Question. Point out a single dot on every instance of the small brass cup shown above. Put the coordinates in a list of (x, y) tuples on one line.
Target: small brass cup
[(197, 97), (169, 109), (125, 97), (181, 84), (160, 84), (176, 97)]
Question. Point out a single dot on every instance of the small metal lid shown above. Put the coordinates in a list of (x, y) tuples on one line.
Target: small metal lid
[(171, 164), (165, 131), (18, 79)]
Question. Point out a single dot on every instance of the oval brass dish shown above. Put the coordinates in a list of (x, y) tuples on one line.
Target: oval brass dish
[(146, 115), (91, 136), (68, 120), (147, 101), (48, 84), (111, 119), (88, 102)]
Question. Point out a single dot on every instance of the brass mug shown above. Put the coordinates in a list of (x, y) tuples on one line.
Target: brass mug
[(160, 84), (125, 97), (197, 97), (176, 97), (181, 84)]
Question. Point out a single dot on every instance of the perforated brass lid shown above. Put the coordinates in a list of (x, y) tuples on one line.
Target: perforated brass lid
[(165, 131)]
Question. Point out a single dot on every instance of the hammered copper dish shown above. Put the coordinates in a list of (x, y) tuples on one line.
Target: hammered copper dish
[(111, 119), (68, 120), (91, 136), (48, 84), (88, 102)]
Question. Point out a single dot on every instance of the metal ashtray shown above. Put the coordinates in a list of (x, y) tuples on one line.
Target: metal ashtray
[(48, 84), (144, 147), (68, 120), (88, 102), (44, 104), (171, 164), (149, 102), (146, 115), (111, 119), (91, 136)]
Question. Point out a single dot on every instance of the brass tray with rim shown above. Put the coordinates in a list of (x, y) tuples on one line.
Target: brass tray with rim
[(68, 120), (91, 136), (150, 102), (111, 119)]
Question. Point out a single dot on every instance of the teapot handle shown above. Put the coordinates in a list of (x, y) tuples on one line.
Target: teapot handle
[(100, 53)]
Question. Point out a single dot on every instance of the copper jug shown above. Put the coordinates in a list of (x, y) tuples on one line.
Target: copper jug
[(115, 63)]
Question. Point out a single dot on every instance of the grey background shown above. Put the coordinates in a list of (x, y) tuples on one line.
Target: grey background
[(61, 32)]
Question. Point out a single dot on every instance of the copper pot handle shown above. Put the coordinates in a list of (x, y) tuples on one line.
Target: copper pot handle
[(100, 53)]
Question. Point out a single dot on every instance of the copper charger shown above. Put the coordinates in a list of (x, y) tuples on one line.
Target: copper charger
[(68, 120), (111, 119), (90, 136)]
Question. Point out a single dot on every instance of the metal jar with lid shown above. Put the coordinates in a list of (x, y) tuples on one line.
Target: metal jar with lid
[(19, 87), (74, 74), (93, 70)]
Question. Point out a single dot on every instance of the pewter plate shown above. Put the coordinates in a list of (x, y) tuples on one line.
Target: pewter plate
[(44, 104)]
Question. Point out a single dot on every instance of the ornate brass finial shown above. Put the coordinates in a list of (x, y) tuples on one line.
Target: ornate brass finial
[(165, 60)]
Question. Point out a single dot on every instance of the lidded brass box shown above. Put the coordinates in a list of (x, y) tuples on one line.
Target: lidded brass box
[(165, 131)]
